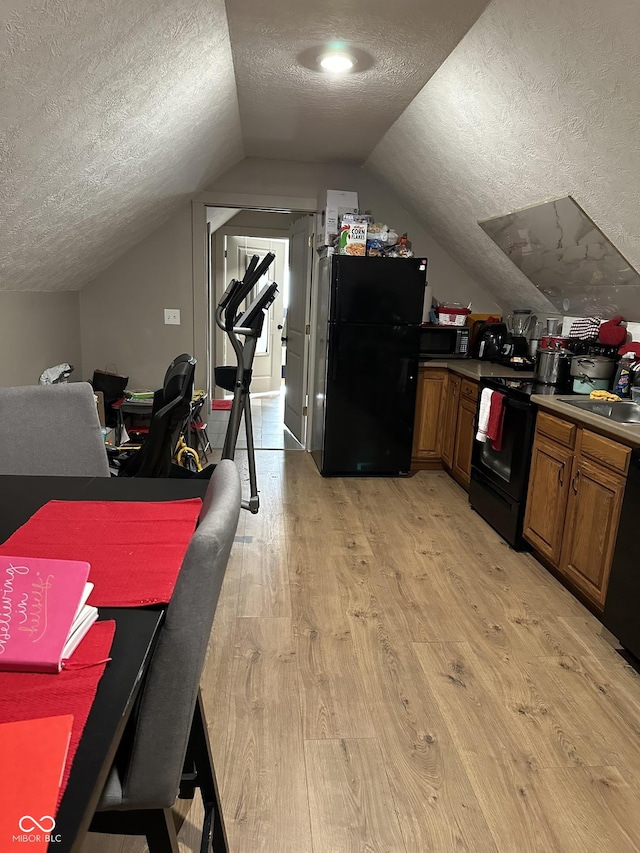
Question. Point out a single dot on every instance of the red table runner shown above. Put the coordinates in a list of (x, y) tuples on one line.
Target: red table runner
[(29, 695), (135, 548)]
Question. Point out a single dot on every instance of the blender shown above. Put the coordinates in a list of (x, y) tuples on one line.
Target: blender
[(521, 325)]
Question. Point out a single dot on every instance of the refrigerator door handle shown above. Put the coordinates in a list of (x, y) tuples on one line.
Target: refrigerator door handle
[(335, 308), (404, 374), (333, 348)]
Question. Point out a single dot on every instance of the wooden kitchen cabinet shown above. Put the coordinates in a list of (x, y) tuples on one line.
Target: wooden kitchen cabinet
[(549, 482), (463, 448), (591, 527), (427, 433), (450, 419), (574, 502), (444, 424)]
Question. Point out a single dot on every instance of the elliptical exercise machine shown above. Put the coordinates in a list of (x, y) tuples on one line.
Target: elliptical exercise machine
[(243, 330)]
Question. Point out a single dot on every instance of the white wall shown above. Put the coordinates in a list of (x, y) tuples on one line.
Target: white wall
[(285, 178), (121, 310), (541, 99), (38, 330), (246, 220)]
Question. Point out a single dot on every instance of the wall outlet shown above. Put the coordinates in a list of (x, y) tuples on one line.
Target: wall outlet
[(172, 316)]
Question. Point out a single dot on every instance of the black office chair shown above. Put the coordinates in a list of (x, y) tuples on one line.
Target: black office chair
[(159, 398), (171, 407)]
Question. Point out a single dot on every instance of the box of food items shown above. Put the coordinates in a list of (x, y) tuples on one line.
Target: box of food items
[(343, 228), (353, 234)]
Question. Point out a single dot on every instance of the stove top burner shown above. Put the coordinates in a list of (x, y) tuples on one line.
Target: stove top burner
[(523, 388)]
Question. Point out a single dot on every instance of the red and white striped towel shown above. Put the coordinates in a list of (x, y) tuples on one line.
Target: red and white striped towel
[(585, 327)]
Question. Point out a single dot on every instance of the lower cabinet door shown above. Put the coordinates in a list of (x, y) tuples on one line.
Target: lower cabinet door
[(549, 482), (450, 420), (427, 431), (464, 442), (593, 512)]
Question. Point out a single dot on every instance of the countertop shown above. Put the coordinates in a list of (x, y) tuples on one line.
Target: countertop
[(628, 434), (473, 368)]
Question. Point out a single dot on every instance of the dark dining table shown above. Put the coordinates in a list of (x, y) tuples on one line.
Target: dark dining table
[(137, 630)]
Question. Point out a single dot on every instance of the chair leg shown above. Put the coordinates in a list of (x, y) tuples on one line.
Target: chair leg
[(161, 832), (157, 825), (199, 754), (203, 436)]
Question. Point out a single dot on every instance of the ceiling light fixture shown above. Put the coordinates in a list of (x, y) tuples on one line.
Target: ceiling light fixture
[(337, 63)]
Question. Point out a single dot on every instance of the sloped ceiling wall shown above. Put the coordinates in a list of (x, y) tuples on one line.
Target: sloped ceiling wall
[(112, 112), (540, 99)]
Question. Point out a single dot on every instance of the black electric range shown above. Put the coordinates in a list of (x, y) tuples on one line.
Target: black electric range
[(522, 389), (499, 478)]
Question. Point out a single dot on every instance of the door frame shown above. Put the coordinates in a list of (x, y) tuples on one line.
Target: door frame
[(308, 337), (203, 343)]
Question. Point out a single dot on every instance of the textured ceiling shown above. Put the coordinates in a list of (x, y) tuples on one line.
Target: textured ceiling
[(291, 112), (112, 112), (540, 100)]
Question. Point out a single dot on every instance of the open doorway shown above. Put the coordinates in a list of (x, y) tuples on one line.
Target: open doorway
[(279, 381)]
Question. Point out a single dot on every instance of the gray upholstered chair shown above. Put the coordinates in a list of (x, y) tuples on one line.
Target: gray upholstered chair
[(169, 755), (51, 429)]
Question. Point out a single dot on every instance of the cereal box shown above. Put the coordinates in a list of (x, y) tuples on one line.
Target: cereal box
[(353, 238)]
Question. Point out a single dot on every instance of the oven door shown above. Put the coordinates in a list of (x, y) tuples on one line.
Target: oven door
[(508, 469)]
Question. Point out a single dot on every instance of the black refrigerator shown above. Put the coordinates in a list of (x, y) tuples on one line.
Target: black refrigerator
[(366, 370)]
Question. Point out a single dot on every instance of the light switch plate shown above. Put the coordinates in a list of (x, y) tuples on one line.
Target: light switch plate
[(172, 316)]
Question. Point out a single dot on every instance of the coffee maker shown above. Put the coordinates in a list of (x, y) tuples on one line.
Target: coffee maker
[(491, 341)]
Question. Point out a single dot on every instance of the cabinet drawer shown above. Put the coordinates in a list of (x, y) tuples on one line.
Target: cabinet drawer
[(561, 431), (606, 452), (469, 390)]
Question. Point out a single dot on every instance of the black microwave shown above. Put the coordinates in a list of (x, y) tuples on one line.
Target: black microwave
[(444, 341)]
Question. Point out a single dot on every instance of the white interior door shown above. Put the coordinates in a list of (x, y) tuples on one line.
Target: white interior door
[(267, 363), (297, 349)]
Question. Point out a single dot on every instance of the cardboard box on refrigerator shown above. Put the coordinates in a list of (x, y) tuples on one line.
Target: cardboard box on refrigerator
[(331, 206)]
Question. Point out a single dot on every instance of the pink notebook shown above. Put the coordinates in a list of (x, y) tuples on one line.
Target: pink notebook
[(43, 612)]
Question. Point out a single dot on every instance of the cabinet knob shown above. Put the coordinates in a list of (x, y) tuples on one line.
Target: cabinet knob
[(575, 482), (561, 475)]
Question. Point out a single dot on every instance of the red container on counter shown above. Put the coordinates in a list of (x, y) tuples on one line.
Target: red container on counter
[(553, 342), (453, 315)]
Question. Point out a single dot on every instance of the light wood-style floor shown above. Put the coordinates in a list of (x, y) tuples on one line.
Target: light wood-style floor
[(387, 676), (267, 417)]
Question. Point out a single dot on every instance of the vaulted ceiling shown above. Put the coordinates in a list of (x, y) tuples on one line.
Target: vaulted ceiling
[(291, 111), (113, 112), (540, 100)]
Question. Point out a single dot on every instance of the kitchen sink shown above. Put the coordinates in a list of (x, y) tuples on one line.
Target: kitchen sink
[(623, 412)]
